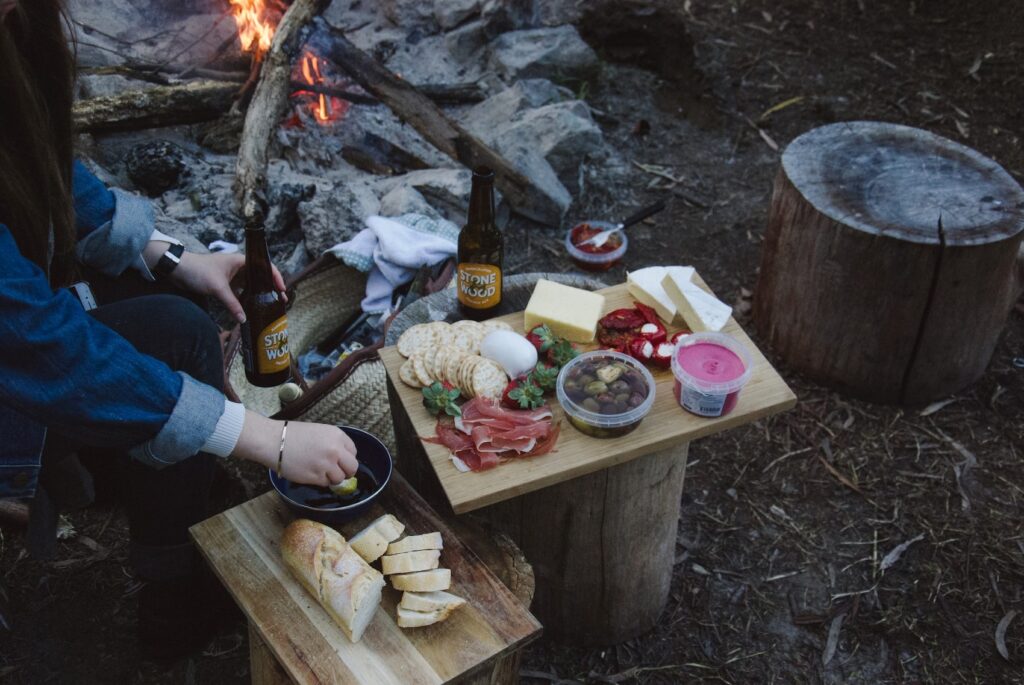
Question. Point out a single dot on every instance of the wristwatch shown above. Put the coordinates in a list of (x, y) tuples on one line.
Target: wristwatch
[(168, 261)]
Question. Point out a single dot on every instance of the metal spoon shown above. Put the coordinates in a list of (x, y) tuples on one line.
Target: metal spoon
[(602, 237)]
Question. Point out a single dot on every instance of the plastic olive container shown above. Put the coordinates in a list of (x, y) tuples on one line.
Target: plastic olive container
[(605, 394), (597, 261)]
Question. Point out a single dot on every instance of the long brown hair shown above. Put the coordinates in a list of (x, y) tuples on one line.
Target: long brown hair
[(36, 78)]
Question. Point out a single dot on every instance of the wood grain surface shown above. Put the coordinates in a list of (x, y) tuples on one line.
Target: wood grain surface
[(241, 546), (576, 454)]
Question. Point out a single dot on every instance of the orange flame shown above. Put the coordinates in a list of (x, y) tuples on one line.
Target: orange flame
[(254, 30), (325, 108)]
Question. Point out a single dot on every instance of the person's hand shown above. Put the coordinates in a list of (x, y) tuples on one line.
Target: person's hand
[(212, 274), (314, 453)]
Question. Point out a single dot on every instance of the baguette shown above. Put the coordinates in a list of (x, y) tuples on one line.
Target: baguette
[(423, 581), (411, 562), (339, 579), (430, 601), (372, 542), (407, 618), (415, 543)]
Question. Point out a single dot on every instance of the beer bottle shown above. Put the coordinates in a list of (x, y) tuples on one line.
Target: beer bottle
[(480, 252), (265, 331)]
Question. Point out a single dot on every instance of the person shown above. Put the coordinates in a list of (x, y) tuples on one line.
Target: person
[(136, 382)]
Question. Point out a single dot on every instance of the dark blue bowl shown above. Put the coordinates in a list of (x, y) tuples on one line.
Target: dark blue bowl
[(372, 454)]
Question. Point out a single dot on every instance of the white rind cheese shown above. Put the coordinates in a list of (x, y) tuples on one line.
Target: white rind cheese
[(646, 286), (570, 312), (701, 310)]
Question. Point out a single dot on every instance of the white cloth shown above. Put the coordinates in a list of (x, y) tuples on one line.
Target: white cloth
[(394, 252)]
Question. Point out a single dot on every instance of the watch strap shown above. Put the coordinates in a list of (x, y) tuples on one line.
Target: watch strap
[(168, 261)]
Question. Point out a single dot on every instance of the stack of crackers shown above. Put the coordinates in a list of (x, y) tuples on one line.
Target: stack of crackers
[(439, 351)]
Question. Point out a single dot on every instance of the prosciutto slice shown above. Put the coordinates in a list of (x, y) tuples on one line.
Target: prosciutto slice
[(487, 434)]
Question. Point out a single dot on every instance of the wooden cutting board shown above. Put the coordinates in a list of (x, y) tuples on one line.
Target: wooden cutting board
[(241, 546), (577, 454)]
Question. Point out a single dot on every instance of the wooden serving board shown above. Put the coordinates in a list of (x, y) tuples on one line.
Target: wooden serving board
[(241, 545), (577, 454)]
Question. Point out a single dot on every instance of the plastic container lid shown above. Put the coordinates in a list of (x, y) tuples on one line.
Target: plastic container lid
[(606, 420), (596, 257), (707, 386)]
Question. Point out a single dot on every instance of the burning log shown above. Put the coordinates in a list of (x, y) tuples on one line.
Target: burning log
[(417, 110), (183, 103), (268, 105)]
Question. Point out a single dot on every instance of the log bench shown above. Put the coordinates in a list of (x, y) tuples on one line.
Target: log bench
[(887, 269)]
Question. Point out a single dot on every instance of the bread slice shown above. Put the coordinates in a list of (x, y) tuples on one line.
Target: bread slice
[(372, 542), (423, 581), (430, 601), (410, 562), (369, 544), (414, 543), (407, 618), (343, 583)]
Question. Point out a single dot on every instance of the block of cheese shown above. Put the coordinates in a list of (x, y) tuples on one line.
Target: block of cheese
[(645, 285), (570, 312), (413, 543), (410, 562), (701, 310)]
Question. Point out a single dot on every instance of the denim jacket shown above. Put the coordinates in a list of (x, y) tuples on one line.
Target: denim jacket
[(61, 368)]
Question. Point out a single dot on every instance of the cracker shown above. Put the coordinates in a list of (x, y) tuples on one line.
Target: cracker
[(439, 362), (463, 340), (496, 326), (408, 376), (421, 371), (466, 372), (428, 361), (488, 380), (451, 367), (408, 341)]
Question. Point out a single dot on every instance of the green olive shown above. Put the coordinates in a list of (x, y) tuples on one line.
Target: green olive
[(596, 387), (590, 404), (609, 374)]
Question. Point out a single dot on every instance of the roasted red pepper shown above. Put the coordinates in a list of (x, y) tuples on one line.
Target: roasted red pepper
[(654, 332), (650, 316), (641, 349), (622, 319), (663, 354)]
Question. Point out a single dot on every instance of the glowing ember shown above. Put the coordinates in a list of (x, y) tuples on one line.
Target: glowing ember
[(324, 107), (255, 29)]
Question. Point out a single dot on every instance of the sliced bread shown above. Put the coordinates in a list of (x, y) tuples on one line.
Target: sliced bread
[(423, 581), (410, 562), (430, 601), (369, 544), (407, 618), (414, 543), (388, 526)]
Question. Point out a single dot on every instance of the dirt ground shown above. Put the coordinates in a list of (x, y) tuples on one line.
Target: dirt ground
[(785, 524)]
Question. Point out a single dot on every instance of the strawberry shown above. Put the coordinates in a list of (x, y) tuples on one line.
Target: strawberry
[(544, 376), (542, 338), (522, 393), (442, 397), (562, 352)]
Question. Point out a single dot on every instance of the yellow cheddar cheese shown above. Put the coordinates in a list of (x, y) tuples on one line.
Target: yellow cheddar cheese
[(570, 312)]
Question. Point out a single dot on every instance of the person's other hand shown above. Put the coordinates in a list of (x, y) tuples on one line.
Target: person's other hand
[(314, 453), (212, 274)]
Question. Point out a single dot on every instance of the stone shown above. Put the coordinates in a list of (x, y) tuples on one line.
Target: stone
[(447, 190), (430, 61), (502, 108), (410, 14), (465, 43), (502, 16), (451, 13), (335, 213), (298, 260), (554, 201), (405, 199), (557, 52), (156, 167)]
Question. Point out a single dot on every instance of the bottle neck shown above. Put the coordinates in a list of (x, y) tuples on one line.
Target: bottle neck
[(481, 202), (257, 257)]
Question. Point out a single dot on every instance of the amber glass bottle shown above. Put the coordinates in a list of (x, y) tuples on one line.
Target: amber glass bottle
[(265, 331), (480, 252)]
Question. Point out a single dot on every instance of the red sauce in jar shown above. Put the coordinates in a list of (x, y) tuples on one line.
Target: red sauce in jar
[(583, 232)]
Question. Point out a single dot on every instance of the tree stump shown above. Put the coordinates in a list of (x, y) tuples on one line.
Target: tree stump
[(888, 263)]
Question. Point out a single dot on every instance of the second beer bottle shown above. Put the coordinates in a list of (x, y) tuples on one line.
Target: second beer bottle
[(480, 252), (265, 331)]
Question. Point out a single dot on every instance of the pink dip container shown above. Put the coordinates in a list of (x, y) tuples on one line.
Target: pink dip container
[(710, 371)]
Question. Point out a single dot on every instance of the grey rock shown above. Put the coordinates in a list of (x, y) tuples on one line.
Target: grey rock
[(335, 213), (465, 43), (158, 166), (563, 133), (430, 61), (296, 261), (447, 190), (179, 230), (450, 13), (499, 110), (502, 16), (545, 53), (549, 199), (410, 15), (405, 199)]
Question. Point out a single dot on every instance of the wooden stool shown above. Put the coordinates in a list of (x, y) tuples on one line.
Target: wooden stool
[(292, 639), (887, 266)]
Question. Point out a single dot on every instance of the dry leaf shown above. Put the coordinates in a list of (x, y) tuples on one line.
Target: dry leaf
[(1001, 633), (833, 639), (936, 406), (782, 105), (890, 559)]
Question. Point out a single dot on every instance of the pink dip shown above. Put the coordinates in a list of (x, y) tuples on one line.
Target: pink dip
[(713, 364)]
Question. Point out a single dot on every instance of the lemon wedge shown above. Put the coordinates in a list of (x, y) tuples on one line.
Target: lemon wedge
[(345, 487)]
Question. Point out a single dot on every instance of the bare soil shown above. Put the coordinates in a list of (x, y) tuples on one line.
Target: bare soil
[(787, 567)]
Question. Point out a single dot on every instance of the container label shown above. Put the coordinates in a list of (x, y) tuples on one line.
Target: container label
[(479, 285), (701, 404), (271, 354)]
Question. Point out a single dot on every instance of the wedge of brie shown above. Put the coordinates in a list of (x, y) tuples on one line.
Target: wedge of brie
[(646, 286), (701, 310)]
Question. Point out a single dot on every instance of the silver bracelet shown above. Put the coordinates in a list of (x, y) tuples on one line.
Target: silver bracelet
[(280, 452)]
